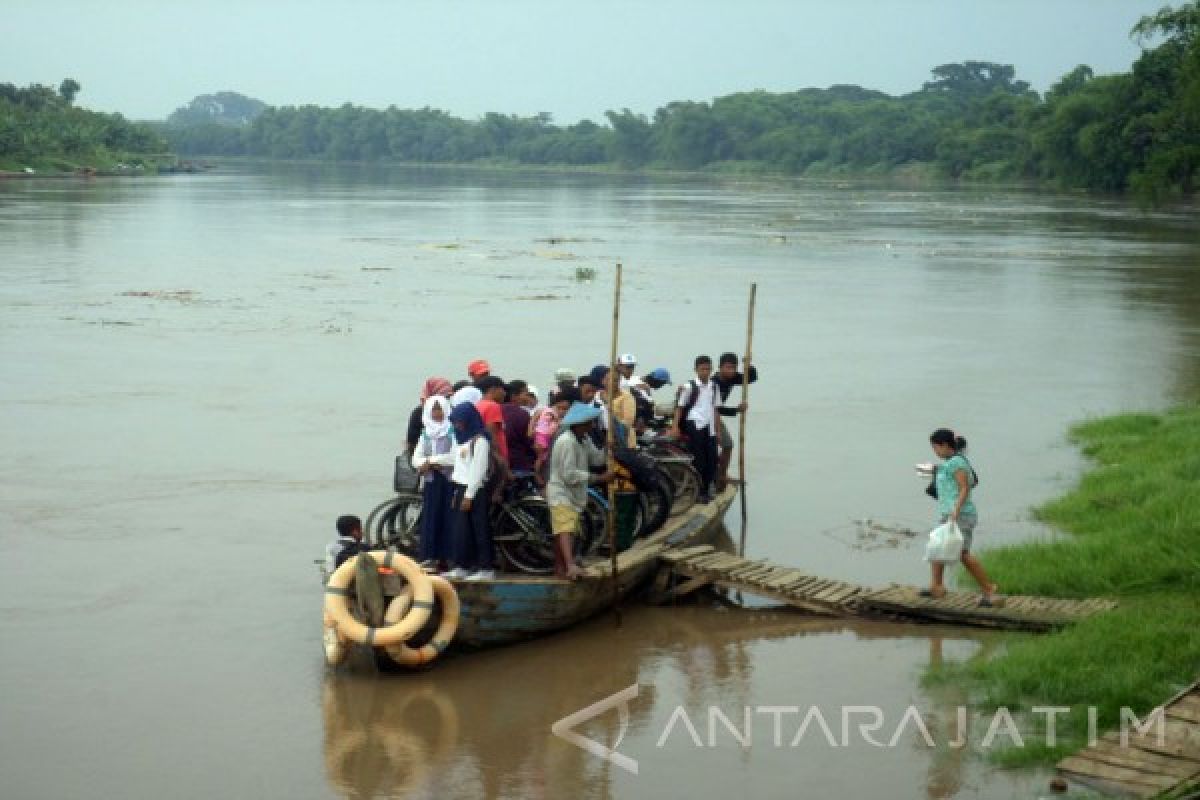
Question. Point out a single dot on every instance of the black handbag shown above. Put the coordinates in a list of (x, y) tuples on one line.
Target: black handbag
[(405, 478)]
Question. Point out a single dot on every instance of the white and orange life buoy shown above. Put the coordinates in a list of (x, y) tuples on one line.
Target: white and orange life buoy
[(337, 601), (447, 598)]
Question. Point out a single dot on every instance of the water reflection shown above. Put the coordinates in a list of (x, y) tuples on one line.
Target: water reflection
[(478, 725)]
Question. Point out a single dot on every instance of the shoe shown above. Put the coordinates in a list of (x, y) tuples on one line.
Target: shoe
[(481, 575), (456, 574)]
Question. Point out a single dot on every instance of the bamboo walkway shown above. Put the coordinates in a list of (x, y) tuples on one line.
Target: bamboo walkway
[(1146, 765), (688, 569)]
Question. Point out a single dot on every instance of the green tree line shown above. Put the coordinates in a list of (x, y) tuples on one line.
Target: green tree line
[(1138, 130), (43, 128)]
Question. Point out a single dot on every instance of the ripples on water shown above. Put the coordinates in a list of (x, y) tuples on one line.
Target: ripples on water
[(201, 372)]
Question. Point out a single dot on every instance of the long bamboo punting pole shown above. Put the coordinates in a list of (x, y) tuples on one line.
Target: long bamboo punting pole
[(612, 461), (741, 443)]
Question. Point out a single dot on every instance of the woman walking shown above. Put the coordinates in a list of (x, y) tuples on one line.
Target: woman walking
[(470, 500), (433, 458), (953, 481)]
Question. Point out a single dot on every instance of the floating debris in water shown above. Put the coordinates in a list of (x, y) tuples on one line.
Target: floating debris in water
[(376, 269), (871, 535), (178, 295), (442, 246), (584, 274), (539, 297), (555, 255)]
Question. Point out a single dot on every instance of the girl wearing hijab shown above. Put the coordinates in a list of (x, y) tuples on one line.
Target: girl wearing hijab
[(433, 386), (433, 459), (469, 501)]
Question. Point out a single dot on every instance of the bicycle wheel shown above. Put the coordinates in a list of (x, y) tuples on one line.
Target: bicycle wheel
[(398, 524), (656, 505), (686, 481), (525, 537)]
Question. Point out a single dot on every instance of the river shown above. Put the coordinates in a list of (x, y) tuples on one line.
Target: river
[(202, 372)]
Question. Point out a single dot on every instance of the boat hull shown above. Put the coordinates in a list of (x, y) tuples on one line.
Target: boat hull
[(513, 608)]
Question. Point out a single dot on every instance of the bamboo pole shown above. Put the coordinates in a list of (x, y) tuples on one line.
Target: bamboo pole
[(610, 447), (741, 443)]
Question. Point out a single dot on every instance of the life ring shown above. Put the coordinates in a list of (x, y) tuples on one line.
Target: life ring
[(337, 601), (447, 598)]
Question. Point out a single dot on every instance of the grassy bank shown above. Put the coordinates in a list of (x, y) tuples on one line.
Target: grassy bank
[(1135, 520)]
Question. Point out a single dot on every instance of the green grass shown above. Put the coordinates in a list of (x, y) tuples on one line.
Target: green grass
[(1135, 525)]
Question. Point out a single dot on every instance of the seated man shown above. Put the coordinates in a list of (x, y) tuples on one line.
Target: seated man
[(349, 542)]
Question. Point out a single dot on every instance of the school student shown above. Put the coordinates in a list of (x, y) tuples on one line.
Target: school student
[(469, 502), (432, 386), (727, 378), (696, 419), (348, 542), (433, 459)]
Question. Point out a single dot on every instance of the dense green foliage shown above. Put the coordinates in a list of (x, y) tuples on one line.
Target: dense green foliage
[(1138, 130), (1135, 521), (43, 129)]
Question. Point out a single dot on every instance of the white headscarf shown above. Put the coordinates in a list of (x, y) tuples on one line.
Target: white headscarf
[(467, 394), (433, 429)]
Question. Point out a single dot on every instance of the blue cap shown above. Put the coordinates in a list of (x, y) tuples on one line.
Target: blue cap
[(660, 374), (579, 413)]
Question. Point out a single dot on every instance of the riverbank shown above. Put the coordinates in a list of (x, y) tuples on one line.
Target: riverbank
[(107, 167), (1135, 520)]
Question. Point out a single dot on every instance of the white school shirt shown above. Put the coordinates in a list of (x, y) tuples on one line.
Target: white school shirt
[(471, 464), (703, 412)]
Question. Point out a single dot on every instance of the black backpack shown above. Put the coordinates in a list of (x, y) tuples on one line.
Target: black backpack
[(931, 489), (687, 409)]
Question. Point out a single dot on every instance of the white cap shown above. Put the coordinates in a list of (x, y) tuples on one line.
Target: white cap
[(627, 360)]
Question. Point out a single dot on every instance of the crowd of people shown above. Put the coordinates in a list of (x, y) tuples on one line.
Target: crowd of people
[(468, 440)]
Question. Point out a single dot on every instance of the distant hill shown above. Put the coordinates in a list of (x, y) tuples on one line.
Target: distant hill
[(223, 108)]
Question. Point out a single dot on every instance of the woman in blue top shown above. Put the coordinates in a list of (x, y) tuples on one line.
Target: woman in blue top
[(953, 480)]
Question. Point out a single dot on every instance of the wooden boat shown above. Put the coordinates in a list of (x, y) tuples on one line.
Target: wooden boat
[(514, 607)]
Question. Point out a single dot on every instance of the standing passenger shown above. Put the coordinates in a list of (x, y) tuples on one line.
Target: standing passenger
[(470, 502), (516, 430), (696, 417), (726, 378), (434, 461), (545, 429), (438, 386), (566, 492)]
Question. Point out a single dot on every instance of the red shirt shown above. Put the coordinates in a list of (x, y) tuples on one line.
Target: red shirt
[(492, 414)]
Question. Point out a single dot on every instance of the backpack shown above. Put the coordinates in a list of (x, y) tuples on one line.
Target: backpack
[(931, 489), (691, 403), (644, 405)]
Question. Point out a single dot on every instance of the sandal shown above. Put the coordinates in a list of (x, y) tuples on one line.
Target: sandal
[(931, 594)]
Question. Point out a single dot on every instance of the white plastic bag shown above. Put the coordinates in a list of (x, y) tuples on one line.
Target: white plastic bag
[(945, 543)]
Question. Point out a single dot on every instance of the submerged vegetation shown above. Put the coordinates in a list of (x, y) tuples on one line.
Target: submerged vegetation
[(1138, 130), (42, 129), (1135, 520)]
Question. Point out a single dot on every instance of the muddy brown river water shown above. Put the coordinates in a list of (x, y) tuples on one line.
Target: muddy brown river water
[(201, 372)]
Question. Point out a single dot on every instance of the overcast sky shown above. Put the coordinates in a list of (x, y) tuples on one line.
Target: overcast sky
[(573, 58)]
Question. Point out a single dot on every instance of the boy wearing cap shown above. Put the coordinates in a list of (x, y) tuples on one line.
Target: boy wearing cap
[(478, 369), (571, 458)]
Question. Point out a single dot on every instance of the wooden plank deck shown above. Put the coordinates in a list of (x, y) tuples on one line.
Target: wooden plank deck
[(703, 565), (1146, 765)]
